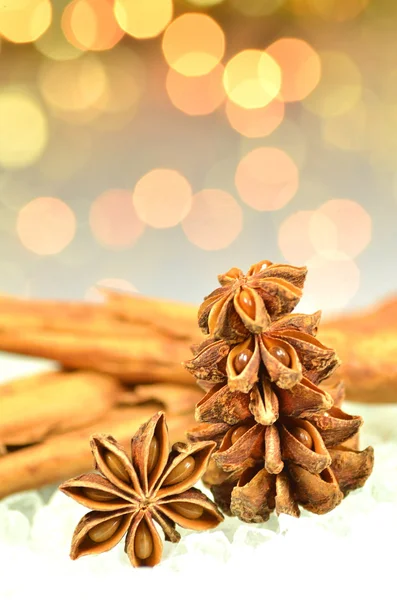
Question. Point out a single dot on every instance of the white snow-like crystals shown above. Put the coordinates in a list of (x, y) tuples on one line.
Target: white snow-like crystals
[(351, 547)]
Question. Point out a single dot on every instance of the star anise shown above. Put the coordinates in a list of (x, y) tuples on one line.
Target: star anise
[(293, 462), (287, 350), (250, 301), (128, 496)]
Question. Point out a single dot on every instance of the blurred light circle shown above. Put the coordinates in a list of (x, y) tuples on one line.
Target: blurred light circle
[(162, 198), (23, 21), (143, 18), (300, 65), (252, 79), (332, 281), (337, 10), (255, 122), (196, 95), (23, 129), (46, 225), (193, 44), (340, 87), (353, 225), (114, 221), (53, 44), (306, 233), (73, 85), (214, 221), (91, 24), (94, 293), (257, 8), (267, 178)]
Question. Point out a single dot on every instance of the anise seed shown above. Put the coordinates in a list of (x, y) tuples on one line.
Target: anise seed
[(98, 495), (303, 436), (238, 433), (241, 360), (116, 466), (281, 355), (261, 266), (247, 303), (143, 544), (187, 509), (104, 531), (154, 451), (181, 471)]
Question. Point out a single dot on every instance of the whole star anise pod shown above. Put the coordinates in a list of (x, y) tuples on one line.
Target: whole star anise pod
[(250, 301), (280, 441), (128, 494), (306, 462), (286, 351)]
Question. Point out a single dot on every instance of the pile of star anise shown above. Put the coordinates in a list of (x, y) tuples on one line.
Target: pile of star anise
[(277, 439), (281, 440)]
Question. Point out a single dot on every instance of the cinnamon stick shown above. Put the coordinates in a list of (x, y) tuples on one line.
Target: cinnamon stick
[(33, 407), (366, 342), (125, 338), (66, 455)]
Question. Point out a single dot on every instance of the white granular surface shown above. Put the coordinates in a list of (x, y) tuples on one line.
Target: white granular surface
[(349, 553)]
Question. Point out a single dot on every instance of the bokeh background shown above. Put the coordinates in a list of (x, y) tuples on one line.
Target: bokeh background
[(149, 145)]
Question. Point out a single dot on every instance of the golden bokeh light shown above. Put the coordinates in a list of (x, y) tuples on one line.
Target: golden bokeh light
[(114, 221), (340, 87), (332, 281), (24, 21), (23, 129), (73, 86), (196, 95), (352, 222), (267, 178), (91, 24), (252, 79), (94, 293), (306, 233), (337, 10), (46, 226), (162, 198), (143, 18), (300, 65), (255, 122), (193, 44), (214, 221), (53, 44)]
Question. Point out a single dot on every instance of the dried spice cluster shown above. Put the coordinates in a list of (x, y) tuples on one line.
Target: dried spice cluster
[(281, 440), (127, 496)]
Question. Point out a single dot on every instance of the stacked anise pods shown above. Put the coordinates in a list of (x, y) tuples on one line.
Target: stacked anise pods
[(282, 441)]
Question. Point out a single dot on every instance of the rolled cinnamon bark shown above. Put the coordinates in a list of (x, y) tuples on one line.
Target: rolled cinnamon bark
[(66, 455), (125, 338), (366, 342), (34, 407)]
